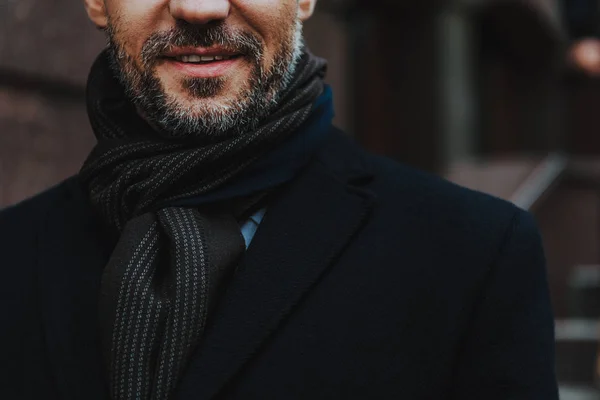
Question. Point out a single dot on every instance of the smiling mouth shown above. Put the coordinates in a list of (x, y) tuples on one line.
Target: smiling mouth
[(201, 56), (196, 59), (208, 65)]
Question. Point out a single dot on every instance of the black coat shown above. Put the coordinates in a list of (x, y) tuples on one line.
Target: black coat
[(365, 280)]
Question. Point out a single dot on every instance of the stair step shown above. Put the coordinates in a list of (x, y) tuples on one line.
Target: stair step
[(573, 392), (577, 351), (583, 296), (577, 329)]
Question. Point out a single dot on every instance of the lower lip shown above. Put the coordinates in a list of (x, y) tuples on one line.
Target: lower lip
[(209, 70)]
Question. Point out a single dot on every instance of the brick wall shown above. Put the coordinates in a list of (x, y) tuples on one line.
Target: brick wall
[(46, 48)]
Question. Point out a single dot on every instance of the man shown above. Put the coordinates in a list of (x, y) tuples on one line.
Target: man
[(145, 276)]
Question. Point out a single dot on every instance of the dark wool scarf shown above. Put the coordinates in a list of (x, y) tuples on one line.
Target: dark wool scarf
[(164, 274)]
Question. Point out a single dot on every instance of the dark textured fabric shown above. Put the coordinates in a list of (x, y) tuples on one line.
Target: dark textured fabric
[(156, 311), (163, 276), (133, 171), (365, 280), (283, 163)]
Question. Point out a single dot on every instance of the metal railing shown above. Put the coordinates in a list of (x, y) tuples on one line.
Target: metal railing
[(540, 181)]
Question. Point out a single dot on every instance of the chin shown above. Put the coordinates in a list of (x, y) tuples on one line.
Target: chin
[(199, 106)]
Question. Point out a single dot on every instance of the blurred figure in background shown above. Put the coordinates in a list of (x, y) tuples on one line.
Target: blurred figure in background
[(224, 239)]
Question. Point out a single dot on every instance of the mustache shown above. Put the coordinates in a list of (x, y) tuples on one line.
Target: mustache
[(188, 35)]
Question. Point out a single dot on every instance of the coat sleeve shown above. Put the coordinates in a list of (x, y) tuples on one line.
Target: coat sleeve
[(508, 352)]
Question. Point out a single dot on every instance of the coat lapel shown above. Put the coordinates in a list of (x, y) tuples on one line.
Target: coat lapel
[(300, 237), (71, 260)]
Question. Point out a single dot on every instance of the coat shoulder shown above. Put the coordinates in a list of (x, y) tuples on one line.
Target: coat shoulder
[(399, 185), (432, 210), (21, 229), (20, 222), (426, 191)]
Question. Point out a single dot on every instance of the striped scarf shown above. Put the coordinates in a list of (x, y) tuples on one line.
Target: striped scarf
[(164, 274)]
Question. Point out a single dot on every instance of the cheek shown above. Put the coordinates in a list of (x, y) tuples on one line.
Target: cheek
[(272, 19), (136, 20)]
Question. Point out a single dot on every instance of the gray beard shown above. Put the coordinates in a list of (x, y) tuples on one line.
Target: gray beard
[(174, 120)]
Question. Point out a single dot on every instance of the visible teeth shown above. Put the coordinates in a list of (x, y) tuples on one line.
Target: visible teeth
[(196, 58)]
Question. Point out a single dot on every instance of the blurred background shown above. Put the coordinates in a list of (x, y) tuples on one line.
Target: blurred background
[(502, 96)]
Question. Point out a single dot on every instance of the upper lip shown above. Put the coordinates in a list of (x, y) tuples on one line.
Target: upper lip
[(201, 51)]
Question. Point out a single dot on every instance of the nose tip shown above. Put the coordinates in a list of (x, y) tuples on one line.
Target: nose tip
[(199, 11)]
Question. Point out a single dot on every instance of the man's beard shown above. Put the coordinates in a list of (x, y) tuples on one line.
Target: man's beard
[(171, 116)]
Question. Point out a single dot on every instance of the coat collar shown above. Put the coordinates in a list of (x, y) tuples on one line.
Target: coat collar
[(304, 231)]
